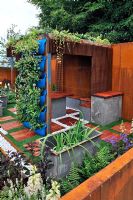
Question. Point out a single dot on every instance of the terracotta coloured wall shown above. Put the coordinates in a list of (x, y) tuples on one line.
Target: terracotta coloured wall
[(53, 69), (5, 74), (77, 75), (122, 79)]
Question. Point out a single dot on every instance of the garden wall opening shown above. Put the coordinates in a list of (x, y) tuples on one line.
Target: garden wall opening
[(77, 75)]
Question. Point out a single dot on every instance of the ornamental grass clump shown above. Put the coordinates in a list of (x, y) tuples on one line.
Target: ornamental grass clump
[(74, 136)]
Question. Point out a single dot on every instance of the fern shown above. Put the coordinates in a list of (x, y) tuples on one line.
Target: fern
[(72, 180)]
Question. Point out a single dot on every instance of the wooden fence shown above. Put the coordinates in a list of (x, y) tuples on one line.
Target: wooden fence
[(114, 182), (7, 75), (123, 75)]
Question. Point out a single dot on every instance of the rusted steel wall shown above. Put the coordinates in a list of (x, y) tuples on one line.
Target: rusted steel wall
[(6, 74), (101, 65), (123, 75), (115, 182), (77, 75)]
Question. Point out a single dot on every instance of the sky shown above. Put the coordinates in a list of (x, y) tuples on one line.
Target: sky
[(17, 12)]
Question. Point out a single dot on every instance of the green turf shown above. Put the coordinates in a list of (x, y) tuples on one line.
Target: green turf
[(20, 144)]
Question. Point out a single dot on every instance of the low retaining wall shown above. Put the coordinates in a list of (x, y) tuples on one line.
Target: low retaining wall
[(114, 182)]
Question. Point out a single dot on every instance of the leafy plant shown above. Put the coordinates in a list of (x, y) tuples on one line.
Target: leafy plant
[(28, 94), (72, 180), (90, 165), (11, 169)]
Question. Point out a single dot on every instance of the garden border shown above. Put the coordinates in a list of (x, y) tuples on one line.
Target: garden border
[(114, 182)]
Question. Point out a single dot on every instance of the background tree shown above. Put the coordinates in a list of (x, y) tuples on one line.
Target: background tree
[(111, 18)]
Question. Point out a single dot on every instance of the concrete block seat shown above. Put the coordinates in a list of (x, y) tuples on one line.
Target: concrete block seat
[(85, 108), (73, 101), (106, 107), (58, 101)]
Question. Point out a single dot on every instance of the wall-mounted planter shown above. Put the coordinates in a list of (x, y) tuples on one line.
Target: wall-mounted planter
[(27, 124), (42, 116), (42, 63), (42, 82), (43, 98), (62, 161), (42, 46), (42, 131)]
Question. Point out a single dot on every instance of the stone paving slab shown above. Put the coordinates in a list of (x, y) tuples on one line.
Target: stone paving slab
[(126, 126), (22, 134), (92, 126), (108, 135), (10, 125), (2, 119), (33, 148), (12, 109)]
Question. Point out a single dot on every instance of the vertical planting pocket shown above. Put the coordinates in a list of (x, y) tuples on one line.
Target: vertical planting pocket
[(27, 124), (41, 131), (42, 116), (43, 98), (42, 63), (42, 82), (42, 46)]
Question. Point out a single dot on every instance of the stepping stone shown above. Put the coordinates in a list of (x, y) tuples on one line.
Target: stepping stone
[(22, 134), (71, 111), (92, 126), (33, 148), (2, 119), (126, 126), (12, 109), (69, 121), (55, 127), (108, 135), (10, 125)]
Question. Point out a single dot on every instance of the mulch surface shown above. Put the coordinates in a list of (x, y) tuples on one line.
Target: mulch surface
[(55, 127), (70, 111), (69, 121)]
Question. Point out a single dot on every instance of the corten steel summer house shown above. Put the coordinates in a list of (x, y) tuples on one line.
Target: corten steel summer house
[(83, 81)]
